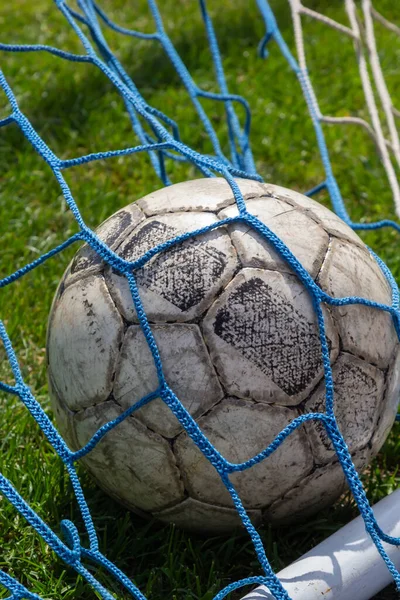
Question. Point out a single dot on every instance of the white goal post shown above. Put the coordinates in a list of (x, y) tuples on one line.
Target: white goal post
[(347, 565)]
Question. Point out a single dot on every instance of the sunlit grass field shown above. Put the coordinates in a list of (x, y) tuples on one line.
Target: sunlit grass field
[(76, 110)]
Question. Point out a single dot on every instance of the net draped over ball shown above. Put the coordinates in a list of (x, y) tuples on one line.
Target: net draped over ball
[(239, 341)]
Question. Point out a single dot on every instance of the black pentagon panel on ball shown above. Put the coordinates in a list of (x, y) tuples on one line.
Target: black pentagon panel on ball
[(353, 378), (112, 232), (264, 339), (180, 282)]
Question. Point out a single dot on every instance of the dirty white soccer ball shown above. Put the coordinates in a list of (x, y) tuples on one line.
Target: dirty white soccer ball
[(240, 346)]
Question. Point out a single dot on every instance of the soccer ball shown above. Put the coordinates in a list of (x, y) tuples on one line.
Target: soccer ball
[(240, 346)]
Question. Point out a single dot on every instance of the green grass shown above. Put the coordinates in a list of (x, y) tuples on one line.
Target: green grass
[(77, 111)]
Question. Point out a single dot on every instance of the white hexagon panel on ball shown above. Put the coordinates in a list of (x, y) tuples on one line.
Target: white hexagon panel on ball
[(239, 343)]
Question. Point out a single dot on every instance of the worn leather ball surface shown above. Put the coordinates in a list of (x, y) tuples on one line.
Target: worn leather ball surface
[(240, 346)]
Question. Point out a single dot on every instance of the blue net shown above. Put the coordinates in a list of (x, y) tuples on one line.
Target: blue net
[(159, 138)]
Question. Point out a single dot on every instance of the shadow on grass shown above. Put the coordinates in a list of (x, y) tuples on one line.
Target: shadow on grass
[(75, 92)]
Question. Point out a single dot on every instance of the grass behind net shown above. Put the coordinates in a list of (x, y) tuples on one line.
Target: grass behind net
[(76, 110)]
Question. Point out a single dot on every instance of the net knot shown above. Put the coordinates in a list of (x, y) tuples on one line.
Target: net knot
[(71, 537)]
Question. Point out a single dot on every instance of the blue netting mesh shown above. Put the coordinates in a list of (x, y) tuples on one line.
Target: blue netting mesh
[(163, 145)]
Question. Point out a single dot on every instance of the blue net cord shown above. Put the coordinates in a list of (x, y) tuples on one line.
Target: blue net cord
[(164, 143)]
